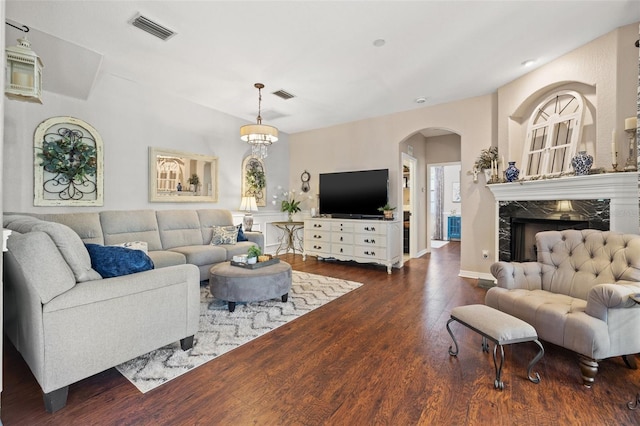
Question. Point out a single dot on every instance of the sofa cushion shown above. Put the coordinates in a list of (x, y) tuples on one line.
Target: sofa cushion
[(241, 247), (86, 225), (200, 255), (115, 261), (179, 228), (52, 276), (213, 217), (135, 245), (68, 242), (164, 258), (224, 235), (131, 225)]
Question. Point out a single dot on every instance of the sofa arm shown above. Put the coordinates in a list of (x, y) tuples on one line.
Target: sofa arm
[(603, 297), (512, 275), (256, 237)]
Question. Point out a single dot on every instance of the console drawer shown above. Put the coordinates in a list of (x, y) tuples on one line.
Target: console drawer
[(342, 227), (374, 240), (342, 249), (341, 238), (370, 228), (315, 235), (318, 226), (373, 253)]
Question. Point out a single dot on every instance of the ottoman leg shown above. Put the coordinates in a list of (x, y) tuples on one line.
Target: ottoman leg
[(452, 352), (498, 383), (538, 357), (232, 306), (285, 297)]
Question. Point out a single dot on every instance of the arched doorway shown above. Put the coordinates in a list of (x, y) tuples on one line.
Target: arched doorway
[(426, 147)]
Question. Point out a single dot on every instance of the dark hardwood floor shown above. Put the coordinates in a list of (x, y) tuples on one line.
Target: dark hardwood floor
[(378, 355)]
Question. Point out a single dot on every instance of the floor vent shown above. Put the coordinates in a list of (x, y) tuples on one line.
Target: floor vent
[(153, 28), (283, 94)]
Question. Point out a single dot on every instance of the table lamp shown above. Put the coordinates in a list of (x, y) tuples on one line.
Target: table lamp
[(248, 205), (564, 207)]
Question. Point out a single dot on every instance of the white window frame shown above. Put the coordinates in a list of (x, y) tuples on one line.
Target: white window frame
[(553, 134)]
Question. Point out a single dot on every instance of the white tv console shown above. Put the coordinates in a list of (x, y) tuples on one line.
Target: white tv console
[(364, 241)]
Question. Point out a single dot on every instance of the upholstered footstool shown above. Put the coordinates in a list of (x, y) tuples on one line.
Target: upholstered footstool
[(237, 284), (499, 327)]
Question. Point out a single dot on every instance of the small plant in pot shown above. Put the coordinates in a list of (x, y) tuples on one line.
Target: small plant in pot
[(387, 210), (253, 253), (194, 181)]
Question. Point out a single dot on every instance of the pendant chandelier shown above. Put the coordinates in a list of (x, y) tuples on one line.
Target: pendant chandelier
[(259, 135)]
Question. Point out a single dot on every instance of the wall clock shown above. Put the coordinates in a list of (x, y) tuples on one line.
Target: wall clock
[(305, 177)]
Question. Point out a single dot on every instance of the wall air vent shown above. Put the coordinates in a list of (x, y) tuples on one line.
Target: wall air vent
[(153, 28), (283, 94)]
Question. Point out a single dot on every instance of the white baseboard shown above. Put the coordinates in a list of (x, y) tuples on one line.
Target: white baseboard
[(476, 275)]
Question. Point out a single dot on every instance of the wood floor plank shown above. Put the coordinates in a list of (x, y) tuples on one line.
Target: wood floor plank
[(378, 355)]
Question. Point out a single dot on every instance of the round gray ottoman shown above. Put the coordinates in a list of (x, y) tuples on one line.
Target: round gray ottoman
[(236, 284)]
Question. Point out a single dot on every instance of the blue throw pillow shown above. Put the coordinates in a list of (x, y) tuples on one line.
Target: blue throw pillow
[(114, 261), (241, 236)]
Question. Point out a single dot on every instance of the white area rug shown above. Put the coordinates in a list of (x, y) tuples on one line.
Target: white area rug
[(438, 244), (221, 331)]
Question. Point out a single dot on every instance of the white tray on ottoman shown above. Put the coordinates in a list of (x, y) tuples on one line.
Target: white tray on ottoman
[(500, 328)]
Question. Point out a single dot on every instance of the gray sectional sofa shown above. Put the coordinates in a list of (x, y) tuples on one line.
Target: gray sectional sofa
[(69, 323)]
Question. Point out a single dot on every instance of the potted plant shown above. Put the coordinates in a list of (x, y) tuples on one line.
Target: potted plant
[(253, 253), (290, 205), (194, 181), (387, 210)]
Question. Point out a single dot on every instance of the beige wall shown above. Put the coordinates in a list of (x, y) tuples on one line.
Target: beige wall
[(374, 143), (604, 70), (608, 65)]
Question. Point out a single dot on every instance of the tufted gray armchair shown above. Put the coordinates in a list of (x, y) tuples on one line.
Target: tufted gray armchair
[(576, 295)]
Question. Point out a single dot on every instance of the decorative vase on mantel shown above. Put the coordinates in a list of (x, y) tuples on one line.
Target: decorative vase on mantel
[(582, 163), (511, 173)]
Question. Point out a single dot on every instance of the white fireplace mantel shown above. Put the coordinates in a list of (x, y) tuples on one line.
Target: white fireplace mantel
[(620, 188)]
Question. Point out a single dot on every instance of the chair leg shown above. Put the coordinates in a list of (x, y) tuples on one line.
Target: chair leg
[(186, 343), (588, 369), (55, 400)]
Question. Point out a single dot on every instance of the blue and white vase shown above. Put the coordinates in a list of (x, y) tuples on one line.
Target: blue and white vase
[(582, 163), (511, 173)]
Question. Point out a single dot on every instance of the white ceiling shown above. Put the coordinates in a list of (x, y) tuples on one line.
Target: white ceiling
[(320, 51)]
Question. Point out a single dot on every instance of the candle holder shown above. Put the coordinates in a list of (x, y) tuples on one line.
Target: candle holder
[(632, 162)]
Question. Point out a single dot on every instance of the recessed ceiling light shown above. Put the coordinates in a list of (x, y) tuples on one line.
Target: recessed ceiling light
[(379, 42), (421, 100), (528, 63)]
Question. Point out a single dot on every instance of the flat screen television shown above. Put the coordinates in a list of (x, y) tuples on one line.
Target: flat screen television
[(354, 195)]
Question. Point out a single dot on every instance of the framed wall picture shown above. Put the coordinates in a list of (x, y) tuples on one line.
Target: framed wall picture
[(68, 163), (455, 192), (254, 180)]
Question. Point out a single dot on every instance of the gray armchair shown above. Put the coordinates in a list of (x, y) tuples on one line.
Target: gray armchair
[(576, 295)]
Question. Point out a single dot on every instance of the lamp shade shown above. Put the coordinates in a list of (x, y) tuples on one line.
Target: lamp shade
[(564, 206), (248, 204), (259, 133), (23, 73)]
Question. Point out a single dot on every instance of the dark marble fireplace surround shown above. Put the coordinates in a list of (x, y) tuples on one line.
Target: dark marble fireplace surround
[(519, 221)]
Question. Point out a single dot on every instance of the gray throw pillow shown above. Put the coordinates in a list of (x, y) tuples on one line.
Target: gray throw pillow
[(224, 235)]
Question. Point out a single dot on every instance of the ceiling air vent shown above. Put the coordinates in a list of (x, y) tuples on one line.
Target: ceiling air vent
[(153, 28), (283, 94)]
